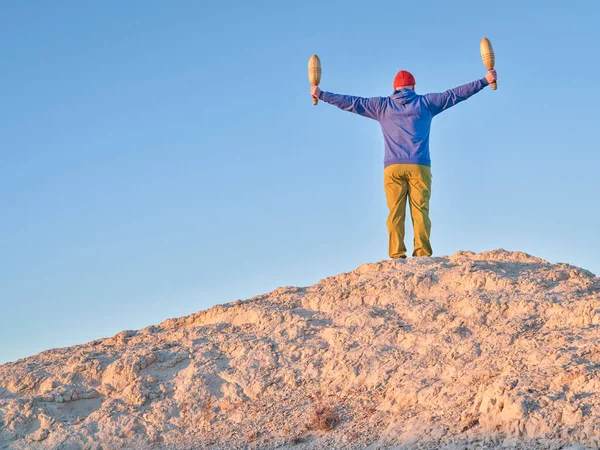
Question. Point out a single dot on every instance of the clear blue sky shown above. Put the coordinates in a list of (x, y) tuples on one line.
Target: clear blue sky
[(160, 157)]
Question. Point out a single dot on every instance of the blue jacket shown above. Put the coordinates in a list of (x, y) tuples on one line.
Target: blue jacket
[(405, 118)]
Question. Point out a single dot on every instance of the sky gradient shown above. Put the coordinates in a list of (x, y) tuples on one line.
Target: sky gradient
[(158, 158)]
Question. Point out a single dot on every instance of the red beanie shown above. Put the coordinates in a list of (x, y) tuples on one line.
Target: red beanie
[(404, 78)]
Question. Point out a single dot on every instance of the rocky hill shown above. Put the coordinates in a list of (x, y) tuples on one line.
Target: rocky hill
[(466, 351)]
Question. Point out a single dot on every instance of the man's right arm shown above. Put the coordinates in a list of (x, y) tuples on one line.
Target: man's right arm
[(440, 102)]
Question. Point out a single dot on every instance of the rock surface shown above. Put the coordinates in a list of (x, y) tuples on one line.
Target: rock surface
[(469, 351)]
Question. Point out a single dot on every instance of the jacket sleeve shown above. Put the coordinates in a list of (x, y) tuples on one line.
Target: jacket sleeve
[(440, 102), (367, 107)]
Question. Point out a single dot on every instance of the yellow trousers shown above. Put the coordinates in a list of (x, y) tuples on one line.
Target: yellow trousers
[(412, 181)]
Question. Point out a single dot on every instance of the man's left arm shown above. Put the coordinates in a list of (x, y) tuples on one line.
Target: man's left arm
[(367, 107)]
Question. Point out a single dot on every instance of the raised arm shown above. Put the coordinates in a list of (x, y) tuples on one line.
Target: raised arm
[(367, 107), (442, 101)]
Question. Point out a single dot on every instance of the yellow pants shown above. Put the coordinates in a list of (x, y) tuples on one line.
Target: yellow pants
[(412, 181)]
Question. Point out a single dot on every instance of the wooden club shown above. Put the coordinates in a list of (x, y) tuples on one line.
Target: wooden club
[(487, 56), (314, 73)]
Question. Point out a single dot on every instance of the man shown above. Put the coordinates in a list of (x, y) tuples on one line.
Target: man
[(405, 119)]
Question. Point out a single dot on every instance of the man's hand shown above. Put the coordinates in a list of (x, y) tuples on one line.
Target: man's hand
[(491, 76), (315, 91)]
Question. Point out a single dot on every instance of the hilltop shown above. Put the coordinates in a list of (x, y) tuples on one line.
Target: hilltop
[(462, 351)]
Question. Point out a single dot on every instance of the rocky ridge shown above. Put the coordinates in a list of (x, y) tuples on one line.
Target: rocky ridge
[(466, 351)]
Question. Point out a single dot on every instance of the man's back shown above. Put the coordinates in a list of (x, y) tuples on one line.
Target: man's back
[(405, 121)]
